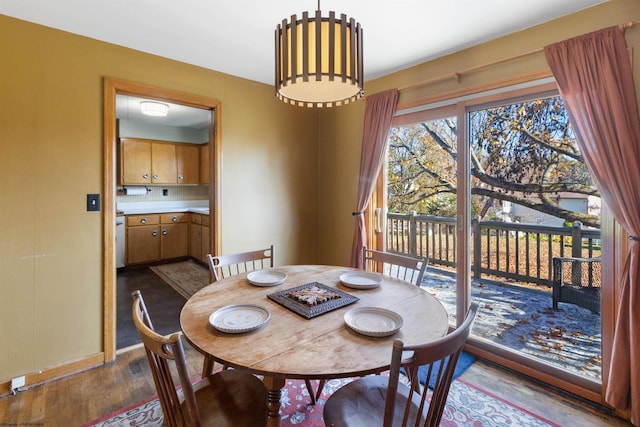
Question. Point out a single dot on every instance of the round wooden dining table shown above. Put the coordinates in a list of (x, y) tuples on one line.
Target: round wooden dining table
[(289, 345)]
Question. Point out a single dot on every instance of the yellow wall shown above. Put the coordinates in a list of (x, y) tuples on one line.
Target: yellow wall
[(341, 130), (51, 156), (289, 174)]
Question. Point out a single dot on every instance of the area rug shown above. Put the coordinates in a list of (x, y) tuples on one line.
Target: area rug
[(186, 277), (467, 405)]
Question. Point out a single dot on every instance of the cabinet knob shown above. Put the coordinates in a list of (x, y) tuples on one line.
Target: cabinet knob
[(164, 232), (154, 233), (174, 218), (180, 177), (155, 176), (143, 220), (145, 176)]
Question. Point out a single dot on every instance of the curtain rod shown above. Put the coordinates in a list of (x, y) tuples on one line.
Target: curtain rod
[(458, 74)]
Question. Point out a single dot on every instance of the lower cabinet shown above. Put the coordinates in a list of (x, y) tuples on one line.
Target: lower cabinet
[(143, 244), (156, 237), (199, 237), (205, 240), (143, 238), (174, 242)]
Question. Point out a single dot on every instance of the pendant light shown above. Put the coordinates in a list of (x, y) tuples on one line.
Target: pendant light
[(319, 60)]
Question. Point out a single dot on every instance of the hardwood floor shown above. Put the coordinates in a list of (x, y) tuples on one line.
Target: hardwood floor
[(163, 303), (81, 398), (560, 408), (86, 396)]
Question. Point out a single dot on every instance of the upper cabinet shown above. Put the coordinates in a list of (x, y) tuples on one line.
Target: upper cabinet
[(188, 162), (204, 164), (164, 169), (135, 161), (145, 161)]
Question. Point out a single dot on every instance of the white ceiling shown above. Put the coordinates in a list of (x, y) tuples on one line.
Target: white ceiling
[(237, 36), (128, 108)]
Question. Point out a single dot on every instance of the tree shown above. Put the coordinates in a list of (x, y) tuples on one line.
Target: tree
[(524, 153)]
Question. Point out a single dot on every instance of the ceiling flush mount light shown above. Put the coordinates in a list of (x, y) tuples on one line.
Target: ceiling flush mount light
[(151, 108), (319, 60)]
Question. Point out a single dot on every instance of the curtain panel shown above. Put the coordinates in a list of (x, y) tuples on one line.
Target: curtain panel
[(378, 113), (595, 79)]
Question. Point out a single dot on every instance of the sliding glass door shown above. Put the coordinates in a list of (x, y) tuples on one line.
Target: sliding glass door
[(495, 193), (422, 192)]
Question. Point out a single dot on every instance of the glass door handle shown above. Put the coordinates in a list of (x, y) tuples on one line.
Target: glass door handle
[(378, 220)]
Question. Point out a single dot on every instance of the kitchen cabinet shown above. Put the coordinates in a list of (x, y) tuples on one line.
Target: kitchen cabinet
[(174, 241), (199, 237), (205, 239), (146, 161), (164, 165), (156, 237), (143, 238), (204, 164), (188, 163), (195, 236), (135, 161)]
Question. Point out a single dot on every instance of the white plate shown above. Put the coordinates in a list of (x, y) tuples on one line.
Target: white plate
[(266, 278), (236, 319), (373, 321), (361, 280)]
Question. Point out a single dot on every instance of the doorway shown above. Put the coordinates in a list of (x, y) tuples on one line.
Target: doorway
[(113, 88)]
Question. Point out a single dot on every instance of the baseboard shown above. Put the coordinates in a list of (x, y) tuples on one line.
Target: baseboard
[(41, 377)]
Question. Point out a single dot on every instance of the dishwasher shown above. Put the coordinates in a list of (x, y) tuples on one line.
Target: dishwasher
[(120, 241)]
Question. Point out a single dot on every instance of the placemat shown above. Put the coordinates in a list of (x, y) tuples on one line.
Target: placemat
[(314, 294)]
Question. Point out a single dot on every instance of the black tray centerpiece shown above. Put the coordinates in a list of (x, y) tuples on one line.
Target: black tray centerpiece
[(312, 299)]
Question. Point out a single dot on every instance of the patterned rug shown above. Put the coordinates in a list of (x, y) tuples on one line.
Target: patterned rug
[(467, 405), (186, 277)]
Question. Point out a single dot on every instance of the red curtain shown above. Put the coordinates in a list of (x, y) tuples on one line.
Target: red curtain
[(378, 113), (596, 83)]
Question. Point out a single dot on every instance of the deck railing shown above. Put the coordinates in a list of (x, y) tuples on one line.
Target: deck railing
[(512, 251)]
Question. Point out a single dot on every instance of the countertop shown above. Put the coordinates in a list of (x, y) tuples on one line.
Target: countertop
[(203, 211), (136, 208)]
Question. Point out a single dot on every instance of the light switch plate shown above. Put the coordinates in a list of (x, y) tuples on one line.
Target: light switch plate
[(93, 202)]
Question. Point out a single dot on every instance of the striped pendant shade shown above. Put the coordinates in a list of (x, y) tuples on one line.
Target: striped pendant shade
[(319, 60)]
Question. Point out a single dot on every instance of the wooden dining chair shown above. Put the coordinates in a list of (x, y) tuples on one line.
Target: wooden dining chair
[(228, 398), (385, 400), (222, 266), (394, 265)]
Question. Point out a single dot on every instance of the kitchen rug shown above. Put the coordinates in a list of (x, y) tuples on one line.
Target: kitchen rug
[(186, 277), (467, 405)]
